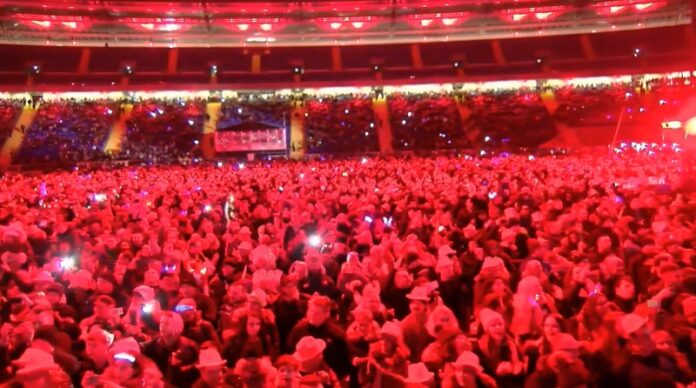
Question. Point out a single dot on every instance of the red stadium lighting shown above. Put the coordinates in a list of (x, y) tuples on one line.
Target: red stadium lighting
[(644, 6), (243, 26), (616, 9), (449, 21), (266, 27), (518, 17), (426, 22), (358, 25), (543, 15), (42, 23), (335, 25), (170, 27)]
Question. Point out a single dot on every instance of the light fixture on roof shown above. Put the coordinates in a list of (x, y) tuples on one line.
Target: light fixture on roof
[(425, 22), (42, 23), (243, 26), (266, 27), (358, 25), (127, 70), (213, 70), (34, 69), (449, 21), (335, 25)]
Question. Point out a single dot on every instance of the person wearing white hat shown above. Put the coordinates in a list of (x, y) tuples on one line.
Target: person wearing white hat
[(36, 368), (211, 367), (419, 376), (413, 327), (389, 356), (499, 355), (466, 371), (309, 353), (645, 362), (563, 367), (446, 251)]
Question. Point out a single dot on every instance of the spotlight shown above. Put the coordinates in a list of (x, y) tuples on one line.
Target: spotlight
[(298, 70), (213, 70), (376, 68), (637, 52), (67, 263), (456, 64), (34, 69), (127, 70), (314, 240)]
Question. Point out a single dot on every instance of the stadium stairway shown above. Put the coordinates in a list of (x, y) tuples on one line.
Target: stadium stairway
[(469, 127), (212, 110), (118, 130), (297, 131), (566, 136), (384, 130), (549, 99), (14, 142)]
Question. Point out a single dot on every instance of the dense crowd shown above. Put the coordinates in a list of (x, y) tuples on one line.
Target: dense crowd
[(426, 122), (163, 129), (510, 118), (341, 124), (9, 113), (67, 130), (514, 271), (273, 111)]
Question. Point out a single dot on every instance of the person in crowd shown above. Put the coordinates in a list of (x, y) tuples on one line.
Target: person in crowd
[(319, 324), (173, 353), (313, 369), (497, 350), (413, 326), (210, 367)]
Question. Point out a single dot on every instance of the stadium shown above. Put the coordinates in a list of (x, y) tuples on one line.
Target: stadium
[(348, 193)]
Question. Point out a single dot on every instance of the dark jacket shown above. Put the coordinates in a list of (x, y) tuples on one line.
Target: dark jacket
[(336, 352)]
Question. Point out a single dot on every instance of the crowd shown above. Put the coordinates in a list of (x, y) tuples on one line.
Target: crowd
[(163, 129), (426, 122), (515, 271), (9, 112), (67, 131), (272, 111), (171, 129), (510, 118), (339, 124)]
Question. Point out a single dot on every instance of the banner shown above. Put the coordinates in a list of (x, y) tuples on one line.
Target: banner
[(271, 139)]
